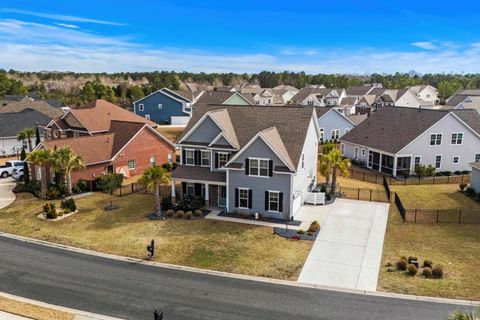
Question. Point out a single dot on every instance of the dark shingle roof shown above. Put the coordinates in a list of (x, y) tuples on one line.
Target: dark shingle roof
[(291, 123), (12, 123), (38, 105), (358, 90), (305, 92), (219, 97), (392, 128), (198, 173)]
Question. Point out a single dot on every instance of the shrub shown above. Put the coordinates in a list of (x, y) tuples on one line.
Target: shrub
[(34, 186), (82, 185), (465, 172), (420, 170), (301, 231), (75, 190), (50, 210), (412, 269), (427, 272), (180, 214), (68, 204), (198, 213), (167, 203), (439, 174), (174, 165), (167, 167), (66, 211), (470, 191), (390, 269), (462, 186), (457, 173), (412, 258), (447, 173), (328, 196), (323, 188), (314, 227), (427, 264), (52, 193), (437, 272), (109, 183), (170, 213), (20, 187), (430, 171), (401, 265), (188, 215), (191, 203)]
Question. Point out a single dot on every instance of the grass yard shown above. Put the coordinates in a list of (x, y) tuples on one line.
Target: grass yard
[(353, 183), (216, 245), (454, 246), (32, 311), (171, 132)]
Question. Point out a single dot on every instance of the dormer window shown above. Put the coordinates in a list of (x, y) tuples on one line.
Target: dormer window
[(222, 159)]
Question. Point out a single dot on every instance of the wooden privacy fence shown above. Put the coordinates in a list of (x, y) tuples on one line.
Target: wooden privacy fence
[(135, 187), (362, 194), (378, 178)]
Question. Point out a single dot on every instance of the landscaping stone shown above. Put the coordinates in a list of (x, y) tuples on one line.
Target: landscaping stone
[(293, 234), (42, 216)]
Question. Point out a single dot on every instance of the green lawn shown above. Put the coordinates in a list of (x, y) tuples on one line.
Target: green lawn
[(454, 246), (223, 246)]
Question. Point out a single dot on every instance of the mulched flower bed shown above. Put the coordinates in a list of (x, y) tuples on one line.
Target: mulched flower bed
[(294, 235), (264, 219), (153, 216)]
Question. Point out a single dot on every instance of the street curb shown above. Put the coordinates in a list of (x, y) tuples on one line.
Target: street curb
[(244, 277), (78, 314)]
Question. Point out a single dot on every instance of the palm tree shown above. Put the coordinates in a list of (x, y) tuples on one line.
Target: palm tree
[(26, 134), (41, 158), (152, 178), (338, 163), (64, 162), (324, 165)]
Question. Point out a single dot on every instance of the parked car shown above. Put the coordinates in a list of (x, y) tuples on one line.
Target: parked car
[(17, 174), (9, 166)]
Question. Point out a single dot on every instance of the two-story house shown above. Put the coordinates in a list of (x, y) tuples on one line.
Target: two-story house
[(332, 124), (394, 140), (427, 94), (167, 106), (260, 159)]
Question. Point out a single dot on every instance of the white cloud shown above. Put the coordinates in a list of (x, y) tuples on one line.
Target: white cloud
[(66, 25), (34, 46), (59, 17), (427, 45)]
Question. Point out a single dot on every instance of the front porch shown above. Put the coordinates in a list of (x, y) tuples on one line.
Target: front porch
[(389, 164)]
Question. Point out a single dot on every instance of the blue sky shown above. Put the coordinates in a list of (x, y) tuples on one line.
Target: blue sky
[(245, 36)]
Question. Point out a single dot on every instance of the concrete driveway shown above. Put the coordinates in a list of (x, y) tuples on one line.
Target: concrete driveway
[(6, 194), (348, 249)]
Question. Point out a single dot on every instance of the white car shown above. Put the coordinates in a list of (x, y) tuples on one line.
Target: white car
[(17, 174), (9, 166)]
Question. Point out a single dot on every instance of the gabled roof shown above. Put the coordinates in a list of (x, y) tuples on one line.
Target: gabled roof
[(12, 123), (38, 105), (273, 139), (392, 128), (358, 90), (307, 91), (456, 99), (369, 99), (219, 97), (348, 101), (97, 115), (291, 123), (357, 118)]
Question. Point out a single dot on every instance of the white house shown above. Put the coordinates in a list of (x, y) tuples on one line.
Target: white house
[(427, 94)]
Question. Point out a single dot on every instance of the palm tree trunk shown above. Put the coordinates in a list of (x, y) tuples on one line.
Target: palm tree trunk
[(157, 200), (43, 189), (30, 144), (334, 180), (327, 176), (68, 178)]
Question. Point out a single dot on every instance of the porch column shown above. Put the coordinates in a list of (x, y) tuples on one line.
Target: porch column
[(394, 166), (173, 191), (380, 162), (207, 194)]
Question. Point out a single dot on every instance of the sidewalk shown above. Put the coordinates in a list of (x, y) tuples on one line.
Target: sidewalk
[(214, 215)]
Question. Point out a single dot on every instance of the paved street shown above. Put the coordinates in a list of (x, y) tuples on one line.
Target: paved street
[(348, 249), (6, 194), (133, 291)]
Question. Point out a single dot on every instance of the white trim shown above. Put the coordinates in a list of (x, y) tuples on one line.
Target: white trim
[(222, 153), (221, 135), (430, 140), (199, 181), (209, 158), (278, 201), (165, 93), (184, 161), (259, 167), (339, 113), (435, 161), (248, 198)]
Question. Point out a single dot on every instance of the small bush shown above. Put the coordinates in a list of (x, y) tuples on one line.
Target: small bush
[(447, 173), (439, 174), (167, 203), (437, 272), (52, 193), (401, 265), (19, 188), (301, 231), (462, 186), (470, 191), (50, 210), (427, 272), (191, 203), (180, 214), (82, 185), (457, 173), (412, 258), (198, 213), (465, 172), (75, 189), (68, 204), (170, 213), (65, 211), (412, 269), (188, 215), (314, 227), (427, 264)]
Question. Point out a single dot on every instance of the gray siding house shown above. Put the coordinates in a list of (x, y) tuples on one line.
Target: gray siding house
[(475, 176), (333, 125), (261, 159), (395, 139)]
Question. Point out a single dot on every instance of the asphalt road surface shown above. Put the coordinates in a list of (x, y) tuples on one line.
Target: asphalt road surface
[(132, 291)]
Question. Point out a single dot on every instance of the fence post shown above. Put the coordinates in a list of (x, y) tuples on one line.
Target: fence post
[(460, 216), (358, 194), (448, 179), (120, 191), (415, 219), (437, 215), (370, 195), (364, 176), (133, 188), (462, 179)]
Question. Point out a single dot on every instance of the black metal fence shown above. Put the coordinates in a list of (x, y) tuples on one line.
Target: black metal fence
[(136, 187), (400, 207), (442, 216), (387, 188)]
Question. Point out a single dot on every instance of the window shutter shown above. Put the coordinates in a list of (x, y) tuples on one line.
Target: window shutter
[(184, 160), (280, 202), (198, 189), (216, 160), (184, 188), (270, 168), (247, 166), (236, 197), (250, 198), (266, 200), (197, 157)]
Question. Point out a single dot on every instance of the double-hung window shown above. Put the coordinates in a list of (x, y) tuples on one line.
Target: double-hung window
[(132, 164), (273, 201), (335, 134), (438, 162), (243, 198), (205, 155), (322, 134), (416, 161), (189, 157), (436, 139), (457, 138), (259, 167), (190, 189), (222, 159), (153, 160), (477, 157)]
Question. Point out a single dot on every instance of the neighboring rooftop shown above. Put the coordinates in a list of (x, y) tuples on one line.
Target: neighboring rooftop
[(219, 97), (38, 105), (358, 90), (12, 123)]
